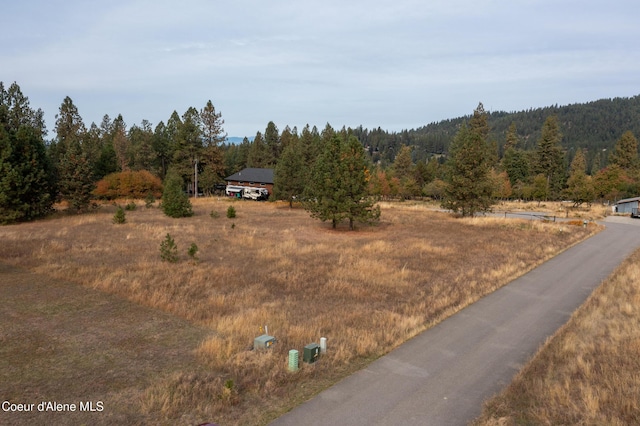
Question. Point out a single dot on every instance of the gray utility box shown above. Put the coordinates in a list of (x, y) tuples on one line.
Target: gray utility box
[(311, 353), (263, 342)]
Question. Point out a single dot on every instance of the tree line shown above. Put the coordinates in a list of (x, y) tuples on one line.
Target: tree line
[(335, 173)]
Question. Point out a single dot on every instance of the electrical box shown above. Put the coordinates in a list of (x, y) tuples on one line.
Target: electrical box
[(311, 353), (263, 342)]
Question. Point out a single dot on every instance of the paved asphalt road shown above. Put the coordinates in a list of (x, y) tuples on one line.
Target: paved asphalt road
[(442, 376)]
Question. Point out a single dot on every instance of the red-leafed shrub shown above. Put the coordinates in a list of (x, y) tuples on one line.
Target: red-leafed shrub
[(128, 185)]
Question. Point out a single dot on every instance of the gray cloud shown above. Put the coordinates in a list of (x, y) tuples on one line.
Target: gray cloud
[(394, 64)]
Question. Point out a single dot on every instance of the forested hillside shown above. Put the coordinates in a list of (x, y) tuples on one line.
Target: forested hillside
[(593, 126)]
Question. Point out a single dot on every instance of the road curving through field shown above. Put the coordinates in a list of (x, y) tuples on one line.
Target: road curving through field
[(442, 376)]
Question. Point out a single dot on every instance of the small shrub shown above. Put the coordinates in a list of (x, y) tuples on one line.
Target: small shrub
[(168, 250), (120, 217), (231, 212), (131, 206), (149, 200), (193, 250), (214, 214)]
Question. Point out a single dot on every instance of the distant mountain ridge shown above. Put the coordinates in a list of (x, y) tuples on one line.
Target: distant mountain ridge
[(594, 126), (237, 140)]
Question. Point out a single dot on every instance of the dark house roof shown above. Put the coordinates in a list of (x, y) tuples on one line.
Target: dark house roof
[(252, 175)]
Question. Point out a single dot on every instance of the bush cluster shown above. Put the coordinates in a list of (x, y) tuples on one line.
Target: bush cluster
[(128, 185)]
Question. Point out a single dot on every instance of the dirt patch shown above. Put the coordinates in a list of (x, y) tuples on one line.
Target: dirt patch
[(67, 344)]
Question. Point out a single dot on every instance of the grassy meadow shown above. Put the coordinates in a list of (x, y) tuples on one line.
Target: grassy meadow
[(365, 291), (589, 372)]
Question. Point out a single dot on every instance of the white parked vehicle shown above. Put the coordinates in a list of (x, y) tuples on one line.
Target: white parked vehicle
[(234, 191), (257, 194), (247, 192)]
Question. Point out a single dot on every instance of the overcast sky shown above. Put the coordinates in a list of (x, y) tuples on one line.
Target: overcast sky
[(397, 64)]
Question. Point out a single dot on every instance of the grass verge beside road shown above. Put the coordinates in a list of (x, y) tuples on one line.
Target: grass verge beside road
[(589, 371)]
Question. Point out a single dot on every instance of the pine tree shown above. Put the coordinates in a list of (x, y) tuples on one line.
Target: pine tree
[(119, 217), (258, 155), (121, 143), (175, 203), (579, 187), (359, 206), (512, 138), (141, 139), (188, 145), (74, 171), (550, 158), (169, 250), (212, 158), (272, 140), (625, 153), (324, 192), (403, 169), (337, 189), (469, 186), (26, 184), (25, 189), (76, 178), (290, 173)]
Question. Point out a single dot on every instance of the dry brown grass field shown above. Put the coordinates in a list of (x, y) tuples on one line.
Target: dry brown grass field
[(589, 372), (365, 291), (558, 209)]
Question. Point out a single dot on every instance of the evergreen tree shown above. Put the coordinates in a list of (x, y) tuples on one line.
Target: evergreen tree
[(625, 153), (550, 158), (121, 143), (187, 156), (512, 138), (272, 140), (609, 183), (311, 146), (212, 125), (212, 157), (76, 178), (579, 187), (141, 139), (258, 155), (175, 203), (403, 169), (338, 186), (540, 188), (290, 173), (516, 163), (359, 206), (25, 174), (469, 186), (162, 148), (286, 137), (323, 193), (74, 171)]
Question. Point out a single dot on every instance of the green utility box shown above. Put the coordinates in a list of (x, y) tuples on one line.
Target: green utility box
[(263, 342), (311, 353)]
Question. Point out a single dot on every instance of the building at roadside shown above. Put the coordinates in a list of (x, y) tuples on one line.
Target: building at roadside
[(253, 178)]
